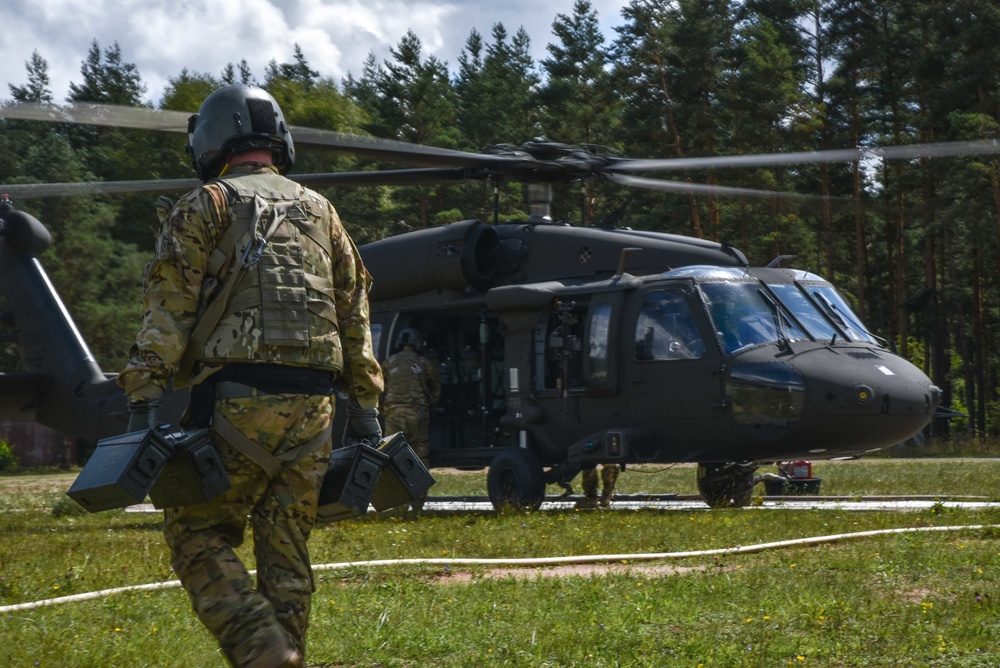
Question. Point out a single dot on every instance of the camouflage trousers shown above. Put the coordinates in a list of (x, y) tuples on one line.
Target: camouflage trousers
[(414, 422), (608, 478), (256, 625)]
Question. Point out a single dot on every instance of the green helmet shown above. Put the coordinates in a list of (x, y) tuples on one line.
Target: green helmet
[(409, 336), (235, 118)]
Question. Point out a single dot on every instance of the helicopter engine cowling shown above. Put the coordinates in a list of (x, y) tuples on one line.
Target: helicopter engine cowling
[(451, 257)]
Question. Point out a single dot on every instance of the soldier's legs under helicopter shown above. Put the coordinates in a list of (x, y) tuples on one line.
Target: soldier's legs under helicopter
[(609, 476), (414, 422), (262, 627), (592, 484)]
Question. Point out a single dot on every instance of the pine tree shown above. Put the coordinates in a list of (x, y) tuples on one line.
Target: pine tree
[(37, 88)]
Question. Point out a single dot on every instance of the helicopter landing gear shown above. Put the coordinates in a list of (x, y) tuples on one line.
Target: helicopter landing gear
[(516, 480), (726, 485)]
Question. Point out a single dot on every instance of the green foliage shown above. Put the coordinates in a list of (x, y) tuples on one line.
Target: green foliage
[(8, 460)]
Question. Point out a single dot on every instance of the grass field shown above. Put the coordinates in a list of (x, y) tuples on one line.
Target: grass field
[(926, 598)]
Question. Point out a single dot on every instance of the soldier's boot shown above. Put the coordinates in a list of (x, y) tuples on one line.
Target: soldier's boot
[(288, 658), (590, 482), (609, 476), (293, 660)]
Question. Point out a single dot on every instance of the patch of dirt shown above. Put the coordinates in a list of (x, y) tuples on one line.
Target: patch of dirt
[(33, 484), (563, 571)]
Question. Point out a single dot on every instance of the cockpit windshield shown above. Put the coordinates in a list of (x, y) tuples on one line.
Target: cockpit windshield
[(745, 315), (748, 308)]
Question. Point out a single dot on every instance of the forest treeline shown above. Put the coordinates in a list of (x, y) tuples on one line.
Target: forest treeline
[(913, 243)]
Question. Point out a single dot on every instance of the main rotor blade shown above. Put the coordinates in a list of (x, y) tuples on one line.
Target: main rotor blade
[(393, 151), (401, 177), (136, 118), (904, 152), (26, 190), (142, 118), (398, 177), (702, 188)]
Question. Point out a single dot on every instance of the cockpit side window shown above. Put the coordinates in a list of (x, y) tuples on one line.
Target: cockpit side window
[(665, 328)]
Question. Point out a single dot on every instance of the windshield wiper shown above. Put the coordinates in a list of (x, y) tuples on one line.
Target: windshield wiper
[(843, 318), (783, 341)]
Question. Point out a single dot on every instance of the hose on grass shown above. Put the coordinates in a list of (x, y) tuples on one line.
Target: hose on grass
[(529, 561)]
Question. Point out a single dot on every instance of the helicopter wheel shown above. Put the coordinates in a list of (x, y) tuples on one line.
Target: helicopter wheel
[(726, 485), (516, 480)]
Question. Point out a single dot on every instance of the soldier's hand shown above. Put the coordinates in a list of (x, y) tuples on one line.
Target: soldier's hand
[(362, 423), (142, 414)]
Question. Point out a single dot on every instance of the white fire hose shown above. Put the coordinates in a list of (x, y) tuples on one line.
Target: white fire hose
[(529, 561)]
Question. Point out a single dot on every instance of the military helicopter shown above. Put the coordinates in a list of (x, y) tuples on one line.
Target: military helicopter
[(558, 346)]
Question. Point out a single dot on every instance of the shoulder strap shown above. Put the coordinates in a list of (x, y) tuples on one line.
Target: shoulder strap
[(272, 465), (217, 307)]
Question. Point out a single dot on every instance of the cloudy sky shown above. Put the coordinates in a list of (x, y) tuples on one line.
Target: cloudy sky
[(162, 37)]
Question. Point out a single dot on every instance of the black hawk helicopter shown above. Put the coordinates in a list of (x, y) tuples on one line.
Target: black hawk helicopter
[(558, 346)]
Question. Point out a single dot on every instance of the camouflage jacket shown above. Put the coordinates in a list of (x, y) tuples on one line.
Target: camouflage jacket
[(410, 380), (178, 287)]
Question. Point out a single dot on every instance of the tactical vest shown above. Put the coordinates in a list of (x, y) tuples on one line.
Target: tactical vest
[(406, 380), (281, 310)]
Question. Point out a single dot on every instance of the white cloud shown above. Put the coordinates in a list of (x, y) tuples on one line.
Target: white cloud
[(162, 39)]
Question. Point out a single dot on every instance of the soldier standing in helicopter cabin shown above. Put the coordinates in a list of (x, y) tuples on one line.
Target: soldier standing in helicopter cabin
[(258, 299), (412, 386)]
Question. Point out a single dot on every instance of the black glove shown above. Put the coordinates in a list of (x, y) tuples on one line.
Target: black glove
[(142, 414), (362, 423)]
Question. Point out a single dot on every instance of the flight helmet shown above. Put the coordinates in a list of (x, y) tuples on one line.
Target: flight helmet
[(235, 118), (409, 336)]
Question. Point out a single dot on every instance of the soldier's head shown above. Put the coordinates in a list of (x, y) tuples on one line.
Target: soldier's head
[(234, 119), (409, 336)]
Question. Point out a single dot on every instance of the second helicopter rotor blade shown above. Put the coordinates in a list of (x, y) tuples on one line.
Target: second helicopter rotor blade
[(28, 190), (398, 177), (902, 152), (707, 189)]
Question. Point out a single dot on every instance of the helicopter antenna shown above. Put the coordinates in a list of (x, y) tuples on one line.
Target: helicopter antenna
[(776, 261), (623, 260), (496, 199), (609, 221)]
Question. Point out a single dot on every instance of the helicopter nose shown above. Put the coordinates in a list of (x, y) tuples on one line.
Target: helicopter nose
[(887, 399)]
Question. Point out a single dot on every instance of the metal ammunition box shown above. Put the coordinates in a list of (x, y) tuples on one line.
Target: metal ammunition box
[(350, 482), (121, 471), (404, 479), (194, 474)]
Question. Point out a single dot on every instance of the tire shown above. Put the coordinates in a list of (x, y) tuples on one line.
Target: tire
[(516, 480), (726, 485)]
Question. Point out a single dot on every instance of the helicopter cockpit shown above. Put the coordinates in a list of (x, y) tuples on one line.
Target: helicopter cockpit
[(750, 308)]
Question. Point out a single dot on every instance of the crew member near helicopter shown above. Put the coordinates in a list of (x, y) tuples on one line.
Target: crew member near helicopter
[(412, 386), (257, 298), (592, 483)]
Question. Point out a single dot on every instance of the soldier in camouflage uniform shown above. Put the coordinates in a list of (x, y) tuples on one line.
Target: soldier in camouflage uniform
[(412, 386), (257, 297)]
